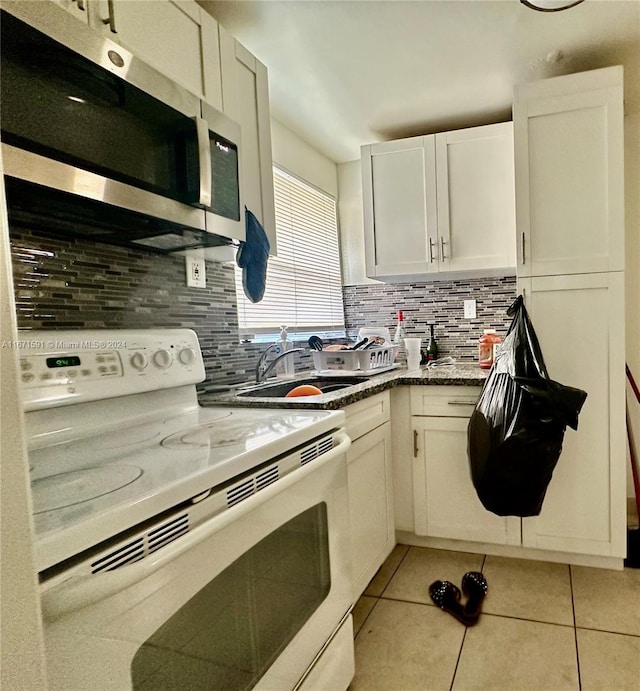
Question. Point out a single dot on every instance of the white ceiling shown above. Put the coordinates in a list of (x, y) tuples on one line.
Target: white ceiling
[(343, 73)]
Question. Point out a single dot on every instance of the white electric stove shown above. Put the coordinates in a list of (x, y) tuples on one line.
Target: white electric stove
[(116, 435)]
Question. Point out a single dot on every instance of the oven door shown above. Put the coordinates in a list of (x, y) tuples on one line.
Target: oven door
[(247, 599)]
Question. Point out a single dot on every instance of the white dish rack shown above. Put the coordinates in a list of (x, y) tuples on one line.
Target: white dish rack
[(363, 361)]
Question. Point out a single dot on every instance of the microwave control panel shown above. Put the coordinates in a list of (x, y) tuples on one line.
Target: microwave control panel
[(62, 368)]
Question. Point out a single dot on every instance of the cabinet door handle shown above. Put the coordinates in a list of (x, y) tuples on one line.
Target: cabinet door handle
[(80, 4), (111, 19), (415, 443), (431, 250), (461, 402), (442, 254), (523, 255)]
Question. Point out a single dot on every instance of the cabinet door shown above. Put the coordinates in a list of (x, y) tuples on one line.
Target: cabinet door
[(245, 91), (78, 8), (176, 37), (579, 321), (398, 189), (476, 198), (445, 501), (569, 174), (370, 504)]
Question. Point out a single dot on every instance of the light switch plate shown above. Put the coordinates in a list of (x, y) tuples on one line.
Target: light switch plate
[(469, 309), (196, 272)]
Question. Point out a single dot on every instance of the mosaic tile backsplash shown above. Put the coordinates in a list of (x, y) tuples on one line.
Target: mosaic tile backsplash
[(77, 283), (439, 303)]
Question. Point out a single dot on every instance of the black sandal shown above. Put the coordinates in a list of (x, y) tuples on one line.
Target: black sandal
[(447, 596), (474, 586)]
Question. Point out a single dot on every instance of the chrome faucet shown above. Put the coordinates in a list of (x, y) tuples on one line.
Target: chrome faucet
[(262, 369)]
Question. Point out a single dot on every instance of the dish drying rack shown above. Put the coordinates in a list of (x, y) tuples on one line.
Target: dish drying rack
[(367, 360), (363, 362)]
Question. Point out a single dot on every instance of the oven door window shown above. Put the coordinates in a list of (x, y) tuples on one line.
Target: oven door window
[(228, 635)]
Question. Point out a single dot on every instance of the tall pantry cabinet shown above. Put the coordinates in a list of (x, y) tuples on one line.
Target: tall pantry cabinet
[(568, 138)]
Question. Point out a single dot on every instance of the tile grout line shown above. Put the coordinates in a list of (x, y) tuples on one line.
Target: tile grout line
[(575, 628), (464, 635), (404, 556), (379, 597)]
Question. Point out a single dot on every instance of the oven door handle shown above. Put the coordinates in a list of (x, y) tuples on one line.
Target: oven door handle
[(80, 591)]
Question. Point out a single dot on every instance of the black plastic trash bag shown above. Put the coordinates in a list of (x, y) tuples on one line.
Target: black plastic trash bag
[(515, 433)]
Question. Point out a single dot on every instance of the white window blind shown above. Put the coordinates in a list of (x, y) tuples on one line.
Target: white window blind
[(304, 286)]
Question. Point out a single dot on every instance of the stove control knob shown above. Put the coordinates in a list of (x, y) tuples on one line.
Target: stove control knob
[(139, 360), (162, 358), (186, 356)]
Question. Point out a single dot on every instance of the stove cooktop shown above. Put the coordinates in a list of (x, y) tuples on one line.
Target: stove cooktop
[(88, 489)]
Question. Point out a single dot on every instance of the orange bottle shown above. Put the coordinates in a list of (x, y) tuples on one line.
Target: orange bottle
[(487, 347)]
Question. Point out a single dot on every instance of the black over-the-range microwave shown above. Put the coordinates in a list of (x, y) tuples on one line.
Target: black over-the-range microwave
[(97, 143)]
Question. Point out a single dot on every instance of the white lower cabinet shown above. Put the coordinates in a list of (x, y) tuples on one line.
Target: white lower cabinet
[(445, 503), (370, 484), (583, 512)]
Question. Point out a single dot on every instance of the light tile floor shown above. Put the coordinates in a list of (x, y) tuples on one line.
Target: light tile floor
[(543, 627)]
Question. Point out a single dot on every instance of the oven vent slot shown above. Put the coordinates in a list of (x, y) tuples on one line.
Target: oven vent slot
[(143, 545), (159, 537), (312, 452), (252, 484), (239, 492), (325, 445), (126, 554), (267, 477), (308, 454)]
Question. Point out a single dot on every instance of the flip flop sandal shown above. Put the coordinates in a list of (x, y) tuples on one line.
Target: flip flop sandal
[(447, 596), (474, 586)]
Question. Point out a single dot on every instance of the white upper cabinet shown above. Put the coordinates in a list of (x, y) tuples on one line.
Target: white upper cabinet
[(569, 171), (398, 185), (476, 198), (440, 205), (245, 91), (177, 37)]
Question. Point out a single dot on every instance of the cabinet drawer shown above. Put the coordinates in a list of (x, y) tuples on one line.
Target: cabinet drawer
[(366, 415), (444, 401)]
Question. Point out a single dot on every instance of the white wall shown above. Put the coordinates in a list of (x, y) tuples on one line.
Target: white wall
[(295, 155)]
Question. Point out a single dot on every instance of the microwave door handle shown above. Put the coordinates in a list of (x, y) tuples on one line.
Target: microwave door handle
[(204, 159), (81, 591)]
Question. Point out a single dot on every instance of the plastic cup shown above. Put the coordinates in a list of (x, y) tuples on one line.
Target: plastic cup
[(412, 347)]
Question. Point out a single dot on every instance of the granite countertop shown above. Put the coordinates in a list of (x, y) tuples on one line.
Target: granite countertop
[(458, 375)]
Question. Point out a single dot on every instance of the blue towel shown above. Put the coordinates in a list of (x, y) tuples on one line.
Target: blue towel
[(252, 257)]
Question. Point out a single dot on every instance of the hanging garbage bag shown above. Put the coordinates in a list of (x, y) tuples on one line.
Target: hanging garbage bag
[(516, 430)]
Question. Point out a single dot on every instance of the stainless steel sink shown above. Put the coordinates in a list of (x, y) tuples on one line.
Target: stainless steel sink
[(281, 389)]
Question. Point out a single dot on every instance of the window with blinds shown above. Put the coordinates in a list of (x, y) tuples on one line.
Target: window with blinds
[(304, 286)]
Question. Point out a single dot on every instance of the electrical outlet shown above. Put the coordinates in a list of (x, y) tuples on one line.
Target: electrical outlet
[(469, 309), (196, 273)]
